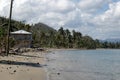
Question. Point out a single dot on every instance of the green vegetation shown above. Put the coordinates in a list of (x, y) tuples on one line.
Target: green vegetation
[(45, 36)]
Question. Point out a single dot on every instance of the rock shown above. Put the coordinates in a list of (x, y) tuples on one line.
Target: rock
[(10, 67), (38, 63), (14, 71), (58, 73), (27, 69)]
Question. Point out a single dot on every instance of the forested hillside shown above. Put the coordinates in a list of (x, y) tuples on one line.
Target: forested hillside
[(45, 36), (42, 27)]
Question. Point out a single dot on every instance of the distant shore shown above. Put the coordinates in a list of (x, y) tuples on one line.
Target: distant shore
[(52, 49), (65, 49)]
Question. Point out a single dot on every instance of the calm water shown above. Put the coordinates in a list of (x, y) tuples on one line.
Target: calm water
[(84, 65)]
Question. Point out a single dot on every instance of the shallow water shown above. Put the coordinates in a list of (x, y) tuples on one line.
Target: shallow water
[(84, 65)]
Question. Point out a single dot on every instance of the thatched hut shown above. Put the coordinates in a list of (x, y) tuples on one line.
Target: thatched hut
[(22, 38)]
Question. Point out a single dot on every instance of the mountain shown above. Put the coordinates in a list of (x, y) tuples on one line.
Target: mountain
[(41, 27), (17, 25), (113, 40)]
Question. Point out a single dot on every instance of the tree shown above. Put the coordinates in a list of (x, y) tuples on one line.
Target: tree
[(88, 42), (61, 35), (68, 39), (77, 36), (2, 38)]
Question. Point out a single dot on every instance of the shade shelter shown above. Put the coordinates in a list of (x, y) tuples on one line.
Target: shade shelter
[(22, 38)]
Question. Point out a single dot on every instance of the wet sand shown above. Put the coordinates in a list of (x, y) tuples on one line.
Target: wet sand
[(28, 66)]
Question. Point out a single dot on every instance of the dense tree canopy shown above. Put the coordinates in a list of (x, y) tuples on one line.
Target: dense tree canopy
[(45, 36)]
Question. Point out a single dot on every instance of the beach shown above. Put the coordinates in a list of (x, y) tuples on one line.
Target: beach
[(62, 65), (27, 66)]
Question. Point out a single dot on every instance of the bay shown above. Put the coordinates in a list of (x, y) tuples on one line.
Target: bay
[(103, 64)]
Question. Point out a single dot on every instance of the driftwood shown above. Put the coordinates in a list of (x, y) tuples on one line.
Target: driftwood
[(22, 50), (19, 51)]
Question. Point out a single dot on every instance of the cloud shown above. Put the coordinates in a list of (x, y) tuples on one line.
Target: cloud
[(92, 5), (4, 6), (97, 18), (111, 17), (109, 21), (61, 5)]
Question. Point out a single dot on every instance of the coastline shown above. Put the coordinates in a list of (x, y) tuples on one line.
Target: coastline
[(57, 49), (52, 49), (27, 66)]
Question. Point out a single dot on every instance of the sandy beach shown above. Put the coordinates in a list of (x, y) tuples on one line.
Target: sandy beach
[(28, 66)]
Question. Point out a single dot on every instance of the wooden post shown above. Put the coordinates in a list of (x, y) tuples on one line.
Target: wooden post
[(8, 32)]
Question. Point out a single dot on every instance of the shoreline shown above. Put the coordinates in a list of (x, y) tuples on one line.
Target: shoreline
[(28, 66), (52, 49)]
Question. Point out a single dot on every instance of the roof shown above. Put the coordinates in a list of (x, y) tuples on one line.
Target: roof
[(21, 32)]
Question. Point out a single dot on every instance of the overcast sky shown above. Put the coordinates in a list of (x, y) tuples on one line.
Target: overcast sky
[(98, 18)]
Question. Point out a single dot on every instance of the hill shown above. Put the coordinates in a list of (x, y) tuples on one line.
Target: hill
[(113, 40), (41, 27), (17, 25)]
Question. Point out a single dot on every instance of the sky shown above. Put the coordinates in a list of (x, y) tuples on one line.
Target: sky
[(99, 19)]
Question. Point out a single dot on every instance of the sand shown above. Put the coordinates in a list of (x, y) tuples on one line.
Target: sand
[(28, 66)]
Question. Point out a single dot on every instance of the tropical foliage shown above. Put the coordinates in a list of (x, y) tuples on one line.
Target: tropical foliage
[(45, 36)]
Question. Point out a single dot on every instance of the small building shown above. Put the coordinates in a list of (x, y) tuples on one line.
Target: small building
[(22, 38)]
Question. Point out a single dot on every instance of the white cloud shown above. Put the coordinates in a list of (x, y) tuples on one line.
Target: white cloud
[(109, 21), (81, 15), (111, 16), (92, 5), (42, 9), (61, 5), (4, 7)]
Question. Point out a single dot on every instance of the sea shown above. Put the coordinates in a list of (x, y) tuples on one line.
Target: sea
[(101, 64)]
